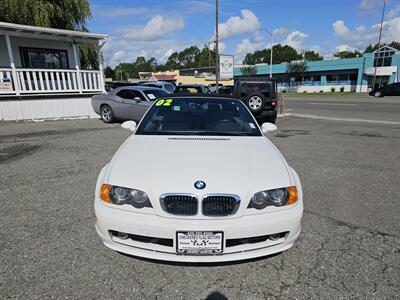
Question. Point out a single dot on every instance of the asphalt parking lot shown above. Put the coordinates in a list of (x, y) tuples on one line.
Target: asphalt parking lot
[(349, 246)]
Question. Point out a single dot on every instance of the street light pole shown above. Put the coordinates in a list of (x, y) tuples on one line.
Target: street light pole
[(272, 49)]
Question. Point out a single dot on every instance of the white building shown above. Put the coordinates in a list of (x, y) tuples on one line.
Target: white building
[(41, 76)]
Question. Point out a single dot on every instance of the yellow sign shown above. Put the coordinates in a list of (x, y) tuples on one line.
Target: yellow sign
[(164, 102)]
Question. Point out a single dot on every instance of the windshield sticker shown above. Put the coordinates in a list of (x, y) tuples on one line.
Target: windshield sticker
[(164, 102), (252, 125), (151, 96)]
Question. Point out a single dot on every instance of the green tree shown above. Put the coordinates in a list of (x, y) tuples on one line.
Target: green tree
[(312, 56), (372, 48), (62, 14), (296, 70), (280, 54), (395, 45), (347, 54), (205, 57), (248, 71), (173, 62), (109, 72), (191, 57)]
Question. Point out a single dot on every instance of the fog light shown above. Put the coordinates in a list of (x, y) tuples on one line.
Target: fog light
[(276, 236), (122, 235)]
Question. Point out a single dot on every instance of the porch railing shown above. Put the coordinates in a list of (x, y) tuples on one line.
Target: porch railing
[(43, 81)]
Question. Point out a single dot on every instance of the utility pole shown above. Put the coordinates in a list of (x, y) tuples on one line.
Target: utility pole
[(379, 43), (272, 49), (216, 47)]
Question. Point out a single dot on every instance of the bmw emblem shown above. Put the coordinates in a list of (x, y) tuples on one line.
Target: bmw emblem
[(199, 185)]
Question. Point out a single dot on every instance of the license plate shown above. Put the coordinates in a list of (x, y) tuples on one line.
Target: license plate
[(199, 242)]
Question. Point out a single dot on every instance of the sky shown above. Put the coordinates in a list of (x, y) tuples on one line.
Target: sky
[(157, 28)]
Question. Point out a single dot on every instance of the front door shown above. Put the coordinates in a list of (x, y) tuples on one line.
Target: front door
[(134, 105)]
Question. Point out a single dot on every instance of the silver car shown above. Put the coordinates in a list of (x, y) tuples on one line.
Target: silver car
[(126, 103)]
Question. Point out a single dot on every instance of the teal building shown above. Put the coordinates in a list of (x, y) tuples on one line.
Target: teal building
[(349, 75)]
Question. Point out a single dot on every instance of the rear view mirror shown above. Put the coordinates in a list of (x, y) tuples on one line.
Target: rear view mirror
[(267, 127), (130, 125)]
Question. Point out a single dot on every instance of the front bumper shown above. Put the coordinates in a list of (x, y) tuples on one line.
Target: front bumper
[(149, 225)]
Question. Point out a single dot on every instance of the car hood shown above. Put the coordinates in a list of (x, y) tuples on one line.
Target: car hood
[(171, 164)]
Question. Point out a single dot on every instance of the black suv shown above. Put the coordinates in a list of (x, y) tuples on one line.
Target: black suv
[(387, 90), (259, 95)]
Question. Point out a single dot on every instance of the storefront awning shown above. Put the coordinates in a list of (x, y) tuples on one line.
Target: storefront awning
[(381, 71)]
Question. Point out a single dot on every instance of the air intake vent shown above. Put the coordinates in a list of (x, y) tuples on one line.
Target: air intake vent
[(198, 139), (220, 205), (180, 205)]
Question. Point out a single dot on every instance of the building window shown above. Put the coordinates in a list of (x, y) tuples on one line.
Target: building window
[(44, 58), (383, 57)]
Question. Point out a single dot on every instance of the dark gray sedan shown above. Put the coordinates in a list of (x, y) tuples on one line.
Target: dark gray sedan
[(126, 103)]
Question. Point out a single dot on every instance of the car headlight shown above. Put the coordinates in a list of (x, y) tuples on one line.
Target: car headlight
[(275, 197), (121, 195)]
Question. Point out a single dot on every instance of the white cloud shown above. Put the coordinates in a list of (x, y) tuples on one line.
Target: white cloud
[(118, 55), (155, 28), (344, 47), (258, 42), (259, 37), (394, 11), (159, 49), (247, 46), (239, 25), (296, 40), (163, 59), (362, 36), (369, 4), (318, 49), (197, 6), (120, 11), (281, 31), (150, 40)]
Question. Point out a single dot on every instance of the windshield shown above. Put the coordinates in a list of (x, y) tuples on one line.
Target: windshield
[(153, 94), (198, 116)]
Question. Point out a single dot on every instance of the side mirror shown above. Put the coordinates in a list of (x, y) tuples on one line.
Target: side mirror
[(267, 127), (137, 99), (130, 125)]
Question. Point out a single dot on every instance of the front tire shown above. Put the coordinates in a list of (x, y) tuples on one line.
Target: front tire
[(378, 94), (107, 114)]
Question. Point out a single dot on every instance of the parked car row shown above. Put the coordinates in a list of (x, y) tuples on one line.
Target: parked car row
[(130, 102)]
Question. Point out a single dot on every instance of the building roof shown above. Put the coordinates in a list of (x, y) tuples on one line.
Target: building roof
[(164, 77), (24, 30)]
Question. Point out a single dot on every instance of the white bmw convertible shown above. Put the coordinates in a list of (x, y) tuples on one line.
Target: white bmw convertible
[(198, 182)]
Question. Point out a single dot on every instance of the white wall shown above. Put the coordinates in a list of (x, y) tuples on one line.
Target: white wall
[(51, 108), (318, 88), (17, 42)]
